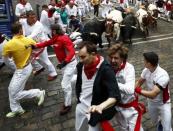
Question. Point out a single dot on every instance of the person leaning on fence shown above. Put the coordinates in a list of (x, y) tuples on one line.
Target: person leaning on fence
[(16, 48)]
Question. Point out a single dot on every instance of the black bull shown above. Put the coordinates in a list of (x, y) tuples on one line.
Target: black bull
[(117, 32), (93, 31), (128, 27)]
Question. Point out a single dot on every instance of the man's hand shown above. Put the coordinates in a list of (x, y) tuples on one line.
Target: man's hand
[(62, 65), (138, 90), (96, 108), (31, 46)]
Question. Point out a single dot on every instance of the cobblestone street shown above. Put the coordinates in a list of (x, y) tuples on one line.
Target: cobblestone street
[(46, 117)]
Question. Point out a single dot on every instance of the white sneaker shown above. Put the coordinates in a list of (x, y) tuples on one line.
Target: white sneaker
[(13, 114), (41, 98)]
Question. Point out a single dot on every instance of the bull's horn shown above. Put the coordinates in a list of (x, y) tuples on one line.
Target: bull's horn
[(122, 25), (155, 18), (134, 27), (100, 19), (93, 33)]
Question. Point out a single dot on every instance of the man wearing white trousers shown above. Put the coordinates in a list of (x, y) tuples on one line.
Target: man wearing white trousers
[(35, 30), (16, 48), (158, 92), (96, 90), (127, 113), (65, 53)]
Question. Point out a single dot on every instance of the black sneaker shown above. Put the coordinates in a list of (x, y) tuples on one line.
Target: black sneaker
[(65, 110), (2, 65)]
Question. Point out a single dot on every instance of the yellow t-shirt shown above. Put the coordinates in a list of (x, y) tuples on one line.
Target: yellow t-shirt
[(19, 49), (95, 2)]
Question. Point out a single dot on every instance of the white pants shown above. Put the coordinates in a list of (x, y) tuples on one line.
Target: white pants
[(8, 62), (105, 12), (161, 112), (16, 88), (126, 119), (67, 75), (167, 13), (81, 123), (138, 3), (46, 63), (81, 12)]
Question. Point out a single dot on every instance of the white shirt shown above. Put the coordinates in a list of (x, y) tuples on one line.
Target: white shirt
[(80, 3), (87, 86), (126, 83), (71, 11), (21, 9), (159, 76), (57, 18), (106, 7), (46, 21), (36, 31)]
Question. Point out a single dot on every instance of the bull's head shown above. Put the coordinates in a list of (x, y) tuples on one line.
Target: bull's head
[(109, 28), (155, 13)]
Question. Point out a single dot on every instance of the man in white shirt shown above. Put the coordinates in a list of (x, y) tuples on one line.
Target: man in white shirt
[(127, 112), (45, 20), (81, 5), (96, 90), (71, 9), (35, 30), (21, 8), (158, 93), (107, 6)]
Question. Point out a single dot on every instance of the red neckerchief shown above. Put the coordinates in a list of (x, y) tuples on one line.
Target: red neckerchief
[(23, 3), (50, 12), (120, 68), (90, 69)]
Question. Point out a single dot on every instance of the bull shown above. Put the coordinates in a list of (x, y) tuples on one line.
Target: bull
[(113, 22), (153, 13), (142, 17), (93, 30), (128, 27)]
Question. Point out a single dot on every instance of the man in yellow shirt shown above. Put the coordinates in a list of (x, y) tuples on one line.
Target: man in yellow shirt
[(95, 4), (19, 48)]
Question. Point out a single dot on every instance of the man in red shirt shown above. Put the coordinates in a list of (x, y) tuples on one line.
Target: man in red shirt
[(65, 53), (168, 9)]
